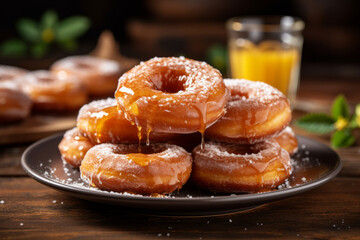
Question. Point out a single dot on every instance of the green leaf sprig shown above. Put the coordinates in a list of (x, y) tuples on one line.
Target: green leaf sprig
[(37, 38), (341, 123)]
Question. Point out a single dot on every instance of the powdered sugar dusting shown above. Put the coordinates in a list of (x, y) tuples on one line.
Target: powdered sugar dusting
[(197, 89), (108, 150), (256, 151), (8, 73), (93, 109), (303, 167), (86, 65), (43, 80), (200, 77), (246, 94)]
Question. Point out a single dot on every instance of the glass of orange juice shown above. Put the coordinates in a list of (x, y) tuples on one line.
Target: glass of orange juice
[(267, 49)]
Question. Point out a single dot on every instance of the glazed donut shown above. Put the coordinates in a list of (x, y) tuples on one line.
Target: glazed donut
[(287, 140), (14, 104), (227, 167), (73, 147), (100, 76), (10, 73), (176, 95), (256, 111), (102, 122), (159, 169), (51, 93)]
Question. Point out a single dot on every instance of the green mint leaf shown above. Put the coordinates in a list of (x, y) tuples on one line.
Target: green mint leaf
[(316, 123), (28, 30), (13, 48), (342, 138), (340, 108), (217, 57), (71, 28), (49, 19)]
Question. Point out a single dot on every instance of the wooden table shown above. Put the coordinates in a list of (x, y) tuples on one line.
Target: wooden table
[(30, 210)]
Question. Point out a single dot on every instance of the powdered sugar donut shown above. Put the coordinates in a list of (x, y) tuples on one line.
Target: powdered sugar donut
[(52, 93), (102, 122), (73, 147), (256, 111), (14, 104), (176, 95), (100, 76), (158, 169), (226, 167), (10, 73)]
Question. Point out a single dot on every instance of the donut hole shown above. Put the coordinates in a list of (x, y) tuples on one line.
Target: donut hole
[(243, 150), (235, 95), (134, 149), (169, 80), (83, 65), (45, 79)]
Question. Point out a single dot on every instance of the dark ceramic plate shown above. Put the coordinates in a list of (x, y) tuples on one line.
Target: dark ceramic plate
[(314, 165)]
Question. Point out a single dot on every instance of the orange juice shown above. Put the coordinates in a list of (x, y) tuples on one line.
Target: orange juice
[(267, 62)]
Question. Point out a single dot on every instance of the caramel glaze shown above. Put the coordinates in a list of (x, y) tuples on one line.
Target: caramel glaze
[(255, 112), (174, 95), (159, 169), (73, 147), (223, 167), (287, 140), (102, 122)]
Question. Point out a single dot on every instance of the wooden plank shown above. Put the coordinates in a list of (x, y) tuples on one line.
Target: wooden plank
[(34, 211), (36, 127), (10, 156)]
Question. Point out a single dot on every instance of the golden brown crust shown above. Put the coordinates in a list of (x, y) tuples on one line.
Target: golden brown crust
[(73, 147), (175, 95), (255, 112), (102, 122), (100, 76), (225, 167), (159, 169)]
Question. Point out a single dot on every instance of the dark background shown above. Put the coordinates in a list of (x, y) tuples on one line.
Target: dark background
[(147, 28)]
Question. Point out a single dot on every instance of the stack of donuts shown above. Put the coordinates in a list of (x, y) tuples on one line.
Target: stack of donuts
[(144, 140), (64, 88)]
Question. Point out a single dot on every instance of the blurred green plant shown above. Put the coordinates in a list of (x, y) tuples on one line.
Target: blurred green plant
[(340, 123), (37, 38), (217, 57)]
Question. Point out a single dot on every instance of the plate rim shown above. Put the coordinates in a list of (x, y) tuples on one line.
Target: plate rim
[(236, 198)]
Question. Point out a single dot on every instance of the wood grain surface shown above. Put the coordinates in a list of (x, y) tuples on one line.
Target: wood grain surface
[(34, 211), (35, 127)]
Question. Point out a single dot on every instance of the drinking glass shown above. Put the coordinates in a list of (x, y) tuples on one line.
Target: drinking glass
[(266, 49)]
